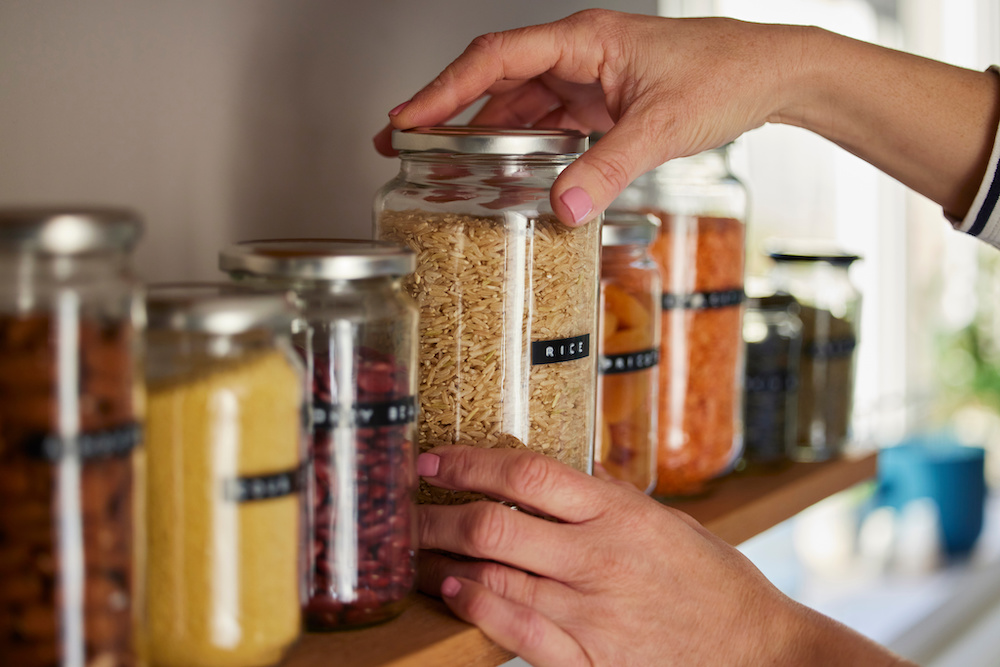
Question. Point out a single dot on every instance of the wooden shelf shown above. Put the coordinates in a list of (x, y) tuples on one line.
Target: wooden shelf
[(735, 508)]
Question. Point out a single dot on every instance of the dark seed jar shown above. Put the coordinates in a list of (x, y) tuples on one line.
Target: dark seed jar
[(508, 295), (358, 337), (71, 553)]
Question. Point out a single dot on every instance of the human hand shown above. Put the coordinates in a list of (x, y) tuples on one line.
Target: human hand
[(660, 88), (618, 580)]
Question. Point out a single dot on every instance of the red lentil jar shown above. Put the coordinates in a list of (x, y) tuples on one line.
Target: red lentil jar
[(357, 335)]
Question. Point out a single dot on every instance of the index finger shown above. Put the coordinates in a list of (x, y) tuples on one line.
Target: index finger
[(535, 482)]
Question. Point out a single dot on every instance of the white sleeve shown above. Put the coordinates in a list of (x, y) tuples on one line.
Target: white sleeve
[(983, 218)]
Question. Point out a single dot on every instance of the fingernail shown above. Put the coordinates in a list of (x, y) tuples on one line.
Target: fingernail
[(450, 587), (395, 111), (428, 464), (578, 202)]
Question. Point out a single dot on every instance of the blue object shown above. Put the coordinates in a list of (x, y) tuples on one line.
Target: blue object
[(951, 474)]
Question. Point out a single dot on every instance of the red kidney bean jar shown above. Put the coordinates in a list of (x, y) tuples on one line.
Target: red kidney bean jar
[(357, 336)]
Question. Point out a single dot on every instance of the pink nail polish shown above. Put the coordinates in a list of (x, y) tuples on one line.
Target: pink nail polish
[(578, 202), (428, 464), (395, 111), (450, 587)]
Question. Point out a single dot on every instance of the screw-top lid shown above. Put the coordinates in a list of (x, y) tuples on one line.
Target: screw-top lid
[(628, 228), (489, 140), (68, 230), (318, 259), (215, 308)]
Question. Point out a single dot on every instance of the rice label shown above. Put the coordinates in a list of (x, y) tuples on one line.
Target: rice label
[(326, 416), (629, 362), (105, 444), (263, 487), (702, 300), (561, 349)]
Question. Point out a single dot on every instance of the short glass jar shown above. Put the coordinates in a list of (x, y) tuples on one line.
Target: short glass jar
[(702, 207), (71, 548), (772, 332), (630, 349), (225, 442), (357, 335), (508, 295), (830, 310)]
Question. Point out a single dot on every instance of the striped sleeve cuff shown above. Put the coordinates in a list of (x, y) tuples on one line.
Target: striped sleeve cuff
[(983, 219)]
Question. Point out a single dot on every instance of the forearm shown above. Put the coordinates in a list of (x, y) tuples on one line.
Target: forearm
[(928, 124)]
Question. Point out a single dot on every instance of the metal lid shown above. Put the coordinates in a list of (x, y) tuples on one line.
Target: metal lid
[(318, 259), (489, 140), (628, 228), (68, 230), (215, 308), (811, 252)]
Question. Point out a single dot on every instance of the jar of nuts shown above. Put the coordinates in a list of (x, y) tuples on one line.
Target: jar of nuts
[(357, 334), (508, 295), (630, 349), (71, 554), (225, 442), (702, 207)]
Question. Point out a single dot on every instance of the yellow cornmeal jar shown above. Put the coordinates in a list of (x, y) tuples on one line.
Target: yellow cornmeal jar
[(224, 436)]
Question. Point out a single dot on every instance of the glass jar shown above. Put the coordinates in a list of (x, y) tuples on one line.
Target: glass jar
[(224, 437), (359, 340), (71, 552), (830, 309), (702, 207), (508, 295), (630, 349), (772, 333)]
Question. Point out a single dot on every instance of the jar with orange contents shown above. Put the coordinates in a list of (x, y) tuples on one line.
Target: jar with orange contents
[(700, 251), (630, 339)]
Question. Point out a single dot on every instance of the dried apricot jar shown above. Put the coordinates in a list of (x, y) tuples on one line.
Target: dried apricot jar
[(71, 556), (630, 350)]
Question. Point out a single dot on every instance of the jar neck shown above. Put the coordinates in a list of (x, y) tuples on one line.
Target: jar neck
[(171, 354), (624, 254)]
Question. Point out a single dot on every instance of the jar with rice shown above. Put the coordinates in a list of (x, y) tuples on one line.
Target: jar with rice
[(507, 294)]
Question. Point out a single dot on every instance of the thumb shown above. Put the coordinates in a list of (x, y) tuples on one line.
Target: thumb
[(589, 185)]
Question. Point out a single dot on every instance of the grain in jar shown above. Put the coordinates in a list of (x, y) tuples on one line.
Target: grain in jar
[(225, 447), (71, 483), (357, 335), (507, 294)]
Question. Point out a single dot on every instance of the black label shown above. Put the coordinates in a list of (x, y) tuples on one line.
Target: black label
[(771, 383), (562, 349), (264, 487), (629, 362), (326, 416), (702, 300), (110, 443), (832, 349)]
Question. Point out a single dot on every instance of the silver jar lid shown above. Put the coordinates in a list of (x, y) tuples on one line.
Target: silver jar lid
[(489, 140), (318, 259), (628, 228), (216, 308), (68, 230)]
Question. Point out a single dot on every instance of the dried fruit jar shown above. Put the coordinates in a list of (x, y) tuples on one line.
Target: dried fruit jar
[(830, 309), (630, 350), (508, 295), (358, 339), (700, 250), (225, 441), (70, 412)]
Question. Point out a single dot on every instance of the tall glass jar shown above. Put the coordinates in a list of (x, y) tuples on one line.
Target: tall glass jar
[(830, 309), (630, 349), (359, 341), (71, 406), (700, 250), (507, 294), (772, 332), (224, 437)]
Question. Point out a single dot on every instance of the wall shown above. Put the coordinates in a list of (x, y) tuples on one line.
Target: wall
[(226, 119)]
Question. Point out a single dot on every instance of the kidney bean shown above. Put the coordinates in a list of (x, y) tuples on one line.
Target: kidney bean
[(381, 489)]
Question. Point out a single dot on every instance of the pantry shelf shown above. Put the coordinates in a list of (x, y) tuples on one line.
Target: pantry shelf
[(735, 508)]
